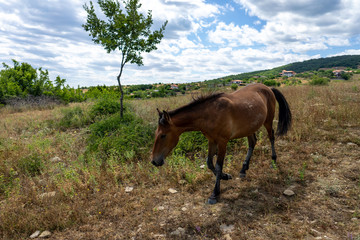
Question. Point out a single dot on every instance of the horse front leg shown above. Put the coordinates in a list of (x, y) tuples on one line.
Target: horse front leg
[(214, 198), (211, 153)]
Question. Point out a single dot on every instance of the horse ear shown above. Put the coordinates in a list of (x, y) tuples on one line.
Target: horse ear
[(160, 113), (164, 118)]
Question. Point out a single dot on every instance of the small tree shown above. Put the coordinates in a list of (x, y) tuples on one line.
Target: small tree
[(127, 32), (234, 86)]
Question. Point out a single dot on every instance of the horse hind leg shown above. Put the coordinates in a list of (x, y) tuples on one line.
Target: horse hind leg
[(252, 142), (272, 141), (273, 152)]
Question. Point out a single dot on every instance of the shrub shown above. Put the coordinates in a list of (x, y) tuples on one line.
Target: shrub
[(234, 86), (319, 80), (191, 142), (74, 118), (105, 106), (271, 82), (118, 137), (31, 165), (346, 75)]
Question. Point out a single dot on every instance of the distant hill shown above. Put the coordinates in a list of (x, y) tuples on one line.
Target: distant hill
[(351, 61)]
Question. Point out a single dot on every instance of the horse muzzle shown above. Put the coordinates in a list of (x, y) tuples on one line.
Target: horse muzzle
[(158, 162)]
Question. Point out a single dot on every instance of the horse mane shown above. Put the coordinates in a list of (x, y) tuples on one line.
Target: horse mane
[(197, 100)]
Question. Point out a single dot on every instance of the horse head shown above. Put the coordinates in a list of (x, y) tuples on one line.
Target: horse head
[(166, 138)]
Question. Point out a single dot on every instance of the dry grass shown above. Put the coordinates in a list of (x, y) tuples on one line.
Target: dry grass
[(319, 159)]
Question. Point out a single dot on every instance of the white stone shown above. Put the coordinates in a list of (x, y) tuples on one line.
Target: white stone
[(45, 234), (178, 232), (47, 194), (129, 189), (289, 192), (172, 190), (35, 234), (227, 228), (55, 159)]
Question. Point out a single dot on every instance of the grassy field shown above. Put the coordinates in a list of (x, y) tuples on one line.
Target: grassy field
[(50, 181)]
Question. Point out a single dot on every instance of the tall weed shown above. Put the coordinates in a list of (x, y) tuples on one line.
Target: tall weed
[(74, 118)]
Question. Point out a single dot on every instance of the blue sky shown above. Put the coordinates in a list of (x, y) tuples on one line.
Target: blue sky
[(203, 39)]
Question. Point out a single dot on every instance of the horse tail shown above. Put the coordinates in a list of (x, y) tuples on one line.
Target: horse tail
[(284, 113)]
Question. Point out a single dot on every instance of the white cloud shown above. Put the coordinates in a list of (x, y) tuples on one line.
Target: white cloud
[(337, 41), (324, 17), (346, 52), (257, 22), (200, 42), (233, 35)]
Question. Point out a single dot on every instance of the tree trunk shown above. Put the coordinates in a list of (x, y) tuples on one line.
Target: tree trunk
[(121, 91), (121, 96)]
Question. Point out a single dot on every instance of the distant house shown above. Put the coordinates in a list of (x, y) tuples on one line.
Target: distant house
[(238, 82), (174, 86), (287, 73), (337, 73)]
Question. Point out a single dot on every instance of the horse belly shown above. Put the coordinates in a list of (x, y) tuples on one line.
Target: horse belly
[(247, 123)]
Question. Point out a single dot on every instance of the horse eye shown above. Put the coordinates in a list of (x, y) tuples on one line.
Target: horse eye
[(163, 136)]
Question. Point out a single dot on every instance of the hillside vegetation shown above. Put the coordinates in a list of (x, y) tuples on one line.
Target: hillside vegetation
[(347, 61), (82, 172)]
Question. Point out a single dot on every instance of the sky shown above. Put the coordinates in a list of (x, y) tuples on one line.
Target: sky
[(204, 39)]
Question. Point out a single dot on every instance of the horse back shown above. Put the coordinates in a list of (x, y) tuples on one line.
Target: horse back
[(248, 109)]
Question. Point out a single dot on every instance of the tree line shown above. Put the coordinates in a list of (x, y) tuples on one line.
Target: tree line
[(23, 80)]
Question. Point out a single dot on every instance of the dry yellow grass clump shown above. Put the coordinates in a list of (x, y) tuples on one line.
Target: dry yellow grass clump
[(47, 182)]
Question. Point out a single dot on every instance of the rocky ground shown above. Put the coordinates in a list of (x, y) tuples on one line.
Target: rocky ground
[(322, 202)]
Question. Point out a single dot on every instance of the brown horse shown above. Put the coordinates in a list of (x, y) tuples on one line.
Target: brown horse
[(222, 117)]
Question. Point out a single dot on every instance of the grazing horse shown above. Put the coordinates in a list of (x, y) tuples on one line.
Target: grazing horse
[(222, 117)]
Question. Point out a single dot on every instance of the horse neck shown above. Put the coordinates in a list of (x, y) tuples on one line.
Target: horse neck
[(189, 120)]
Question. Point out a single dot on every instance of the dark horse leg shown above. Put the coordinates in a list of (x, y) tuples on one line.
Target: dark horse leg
[(219, 175), (272, 141), (210, 164), (252, 141)]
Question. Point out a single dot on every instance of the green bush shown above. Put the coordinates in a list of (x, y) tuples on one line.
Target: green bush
[(31, 165), (315, 80), (120, 137), (191, 142), (271, 82), (105, 106), (346, 75), (77, 117), (234, 86)]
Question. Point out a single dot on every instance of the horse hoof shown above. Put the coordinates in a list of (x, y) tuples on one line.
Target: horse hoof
[(226, 176), (242, 175), (212, 201)]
